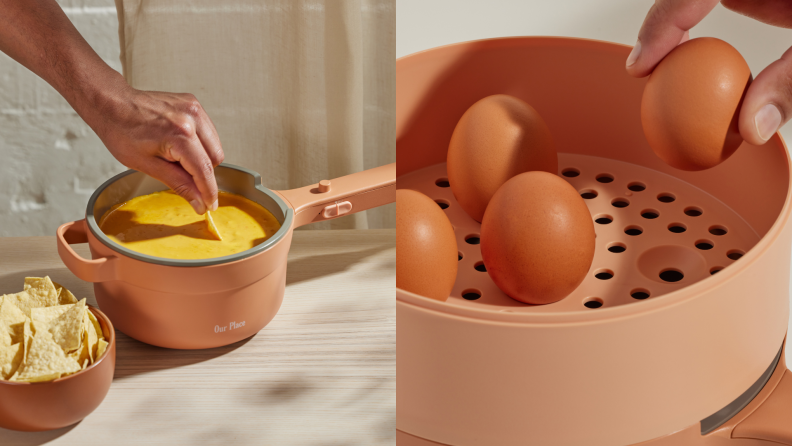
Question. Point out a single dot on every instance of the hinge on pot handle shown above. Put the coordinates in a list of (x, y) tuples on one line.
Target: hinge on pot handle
[(342, 196)]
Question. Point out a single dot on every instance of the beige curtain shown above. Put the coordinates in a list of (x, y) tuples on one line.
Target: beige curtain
[(299, 90)]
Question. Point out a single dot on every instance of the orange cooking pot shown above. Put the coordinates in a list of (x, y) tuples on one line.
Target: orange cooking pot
[(205, 303)]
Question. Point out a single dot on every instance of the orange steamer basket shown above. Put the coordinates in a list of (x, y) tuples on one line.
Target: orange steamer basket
[(676, 335)]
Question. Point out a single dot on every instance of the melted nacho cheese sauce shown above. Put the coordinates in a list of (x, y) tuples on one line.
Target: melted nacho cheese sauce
[(164, 224)]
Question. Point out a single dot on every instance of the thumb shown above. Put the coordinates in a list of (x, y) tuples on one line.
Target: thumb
[(768, 101), (666, 25), (175, 177)]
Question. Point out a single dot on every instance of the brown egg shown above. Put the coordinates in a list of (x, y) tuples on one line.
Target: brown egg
[(497, 138), (537, 238), (691, 104), (426, 249)]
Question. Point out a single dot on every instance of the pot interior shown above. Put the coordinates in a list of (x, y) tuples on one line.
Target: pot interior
[(659, 229), (234, 179)]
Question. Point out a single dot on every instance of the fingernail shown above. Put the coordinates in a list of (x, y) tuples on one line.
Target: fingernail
[(214, 206), (198, 206), (767, 120), (636, 51)]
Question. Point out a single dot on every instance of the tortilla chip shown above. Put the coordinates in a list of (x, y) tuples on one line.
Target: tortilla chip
[(78, 350), (27, 338), (85, 364), (67, 328), (84, 352), (96, 324), (25, 302), (43, 317), (10, 316), (65, 296), (10, 313), (46, 360), (211, 226), (10, 359), (100, 349), (42, 290), (18, 331), (39, 379), (91, 339)]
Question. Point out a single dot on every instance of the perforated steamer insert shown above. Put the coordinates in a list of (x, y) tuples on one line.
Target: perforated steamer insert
[(655, 234), (673, 337)]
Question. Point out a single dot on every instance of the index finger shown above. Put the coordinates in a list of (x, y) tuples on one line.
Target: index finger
[(666, 26), (194, 159)]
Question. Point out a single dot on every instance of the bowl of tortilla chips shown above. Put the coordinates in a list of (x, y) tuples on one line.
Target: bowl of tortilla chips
[(57, 357)]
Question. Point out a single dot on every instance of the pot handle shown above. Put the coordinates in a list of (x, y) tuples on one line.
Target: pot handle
[(772, 421), (342, 196), (97, 270)]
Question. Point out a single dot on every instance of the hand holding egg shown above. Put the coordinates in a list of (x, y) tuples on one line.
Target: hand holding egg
[(767, 102), (691, 104)]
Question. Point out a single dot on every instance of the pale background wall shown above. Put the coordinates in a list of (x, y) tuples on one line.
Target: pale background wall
[(50, 160), (422, 24)]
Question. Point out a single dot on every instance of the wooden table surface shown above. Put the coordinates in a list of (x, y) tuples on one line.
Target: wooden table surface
[(322, 373)]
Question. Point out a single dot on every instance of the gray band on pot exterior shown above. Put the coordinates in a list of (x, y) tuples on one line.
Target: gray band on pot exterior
[(230, 178), (717, 419)]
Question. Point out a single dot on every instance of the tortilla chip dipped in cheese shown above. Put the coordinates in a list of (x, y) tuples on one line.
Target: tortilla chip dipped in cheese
[(56, 337), (211, 226)]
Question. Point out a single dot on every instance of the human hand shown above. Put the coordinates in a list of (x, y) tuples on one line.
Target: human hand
[(768, 101), (167, 136)]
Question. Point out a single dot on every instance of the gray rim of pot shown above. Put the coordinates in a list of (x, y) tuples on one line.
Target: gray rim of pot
[(285, 227)]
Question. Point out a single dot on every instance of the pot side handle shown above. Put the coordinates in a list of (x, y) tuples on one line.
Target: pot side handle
[(772, 421), (342, 196), (97, 270)]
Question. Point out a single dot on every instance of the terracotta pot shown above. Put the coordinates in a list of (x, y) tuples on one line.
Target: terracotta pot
[(194, 304), (600, 367), (64, 401)]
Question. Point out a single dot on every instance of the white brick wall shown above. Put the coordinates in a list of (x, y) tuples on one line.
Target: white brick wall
[(50, 160)]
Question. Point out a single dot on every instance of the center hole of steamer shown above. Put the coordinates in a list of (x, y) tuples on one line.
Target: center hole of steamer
[(671, 275)]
